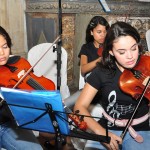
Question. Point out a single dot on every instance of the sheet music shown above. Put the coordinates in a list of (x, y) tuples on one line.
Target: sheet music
[(30, 109)]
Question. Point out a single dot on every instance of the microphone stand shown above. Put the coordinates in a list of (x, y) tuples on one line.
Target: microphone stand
[(59, 46), (61, 140)]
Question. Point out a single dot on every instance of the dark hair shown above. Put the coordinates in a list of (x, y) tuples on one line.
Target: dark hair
[(116, 30), (92, 24), (6, 36)]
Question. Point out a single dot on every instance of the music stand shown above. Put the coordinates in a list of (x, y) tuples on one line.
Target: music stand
[(43, 111), (37, 110)]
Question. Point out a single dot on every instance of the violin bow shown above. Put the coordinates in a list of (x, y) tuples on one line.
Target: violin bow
[(30, 69), (140, 100)]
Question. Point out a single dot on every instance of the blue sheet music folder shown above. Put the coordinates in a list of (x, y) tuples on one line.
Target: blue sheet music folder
[(27, 106)]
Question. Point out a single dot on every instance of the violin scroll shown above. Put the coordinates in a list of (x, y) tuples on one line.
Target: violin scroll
[(78, 121)]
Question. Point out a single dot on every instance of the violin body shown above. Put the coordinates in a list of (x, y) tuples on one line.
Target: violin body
[(11, 74), (133, 81)]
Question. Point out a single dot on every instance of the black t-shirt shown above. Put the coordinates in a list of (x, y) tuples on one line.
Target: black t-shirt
[(92, 54), (90, 51), (115, 102)]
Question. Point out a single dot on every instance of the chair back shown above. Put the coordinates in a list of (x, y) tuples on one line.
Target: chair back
[(81, 80), (47, 66)]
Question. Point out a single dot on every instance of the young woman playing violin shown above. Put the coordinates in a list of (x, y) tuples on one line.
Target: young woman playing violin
[(90, 53), (95, 36), (121, 51), (10, 137)]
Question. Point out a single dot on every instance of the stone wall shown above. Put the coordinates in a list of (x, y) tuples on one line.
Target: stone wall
[(12, 18), (75, 17)]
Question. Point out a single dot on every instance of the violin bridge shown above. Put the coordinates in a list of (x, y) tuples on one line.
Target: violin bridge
[(146, 80)]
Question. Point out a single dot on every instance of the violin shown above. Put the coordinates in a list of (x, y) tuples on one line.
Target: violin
[(12, 73), (133, 81), (100, 50), (77, 120)]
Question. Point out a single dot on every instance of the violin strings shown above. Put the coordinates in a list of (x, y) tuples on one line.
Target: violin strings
[(33, 83), (142, 77)]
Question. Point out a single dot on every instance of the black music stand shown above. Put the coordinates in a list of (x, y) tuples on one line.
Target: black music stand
[(43, 111)]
